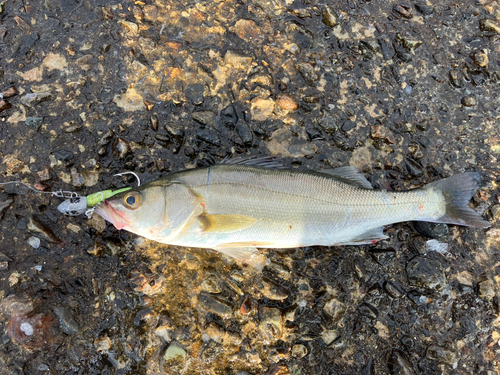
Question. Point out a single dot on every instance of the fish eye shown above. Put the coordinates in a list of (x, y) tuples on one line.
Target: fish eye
[(133, 200)]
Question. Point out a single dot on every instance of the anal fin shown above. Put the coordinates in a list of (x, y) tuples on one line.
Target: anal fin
[(247, 255), (369, 237)]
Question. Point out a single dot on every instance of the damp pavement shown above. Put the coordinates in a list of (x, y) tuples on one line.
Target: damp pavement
[(406, 91)]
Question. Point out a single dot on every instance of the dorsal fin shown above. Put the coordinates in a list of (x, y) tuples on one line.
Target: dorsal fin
[(349, 175), (254, 161)]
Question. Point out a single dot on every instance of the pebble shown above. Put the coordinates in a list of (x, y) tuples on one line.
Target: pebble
[(229, 117), (468, 101), (261, 109), (393, 290), (175, 353), (270, 288), (425, 272), (63, 155), (368, 310), (490, 25), (215, 305), (456, 78), (66, 321), (5, 203), (244, 133), (299, 351), (403, 10), (212, 284), (487, 289), (307, 72), (286, 102), (34, 224), (480, 58), (102, 344), (399, 365), (238, 61), (121, 148), (329, 17), (34, 242), (34, 122), (270, 324), (441, 354), (142, 284), (33, 99), (425, 9), (209, 135), (335, 309)]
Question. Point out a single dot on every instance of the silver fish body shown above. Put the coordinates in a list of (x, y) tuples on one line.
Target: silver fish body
[(236, 208)]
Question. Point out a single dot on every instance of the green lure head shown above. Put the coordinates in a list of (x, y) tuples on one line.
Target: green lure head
[(98, 197)]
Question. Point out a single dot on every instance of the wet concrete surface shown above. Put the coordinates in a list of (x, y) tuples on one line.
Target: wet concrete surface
[(407, 92)]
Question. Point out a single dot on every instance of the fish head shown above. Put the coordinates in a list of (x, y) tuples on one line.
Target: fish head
[(140, 211)]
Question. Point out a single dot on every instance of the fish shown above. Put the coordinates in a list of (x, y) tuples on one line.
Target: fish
[(244, 204)]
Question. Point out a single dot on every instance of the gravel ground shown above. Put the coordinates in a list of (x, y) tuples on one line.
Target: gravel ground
[(407, 92)]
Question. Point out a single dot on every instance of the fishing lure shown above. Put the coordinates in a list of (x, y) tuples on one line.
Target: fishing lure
[(79, 205)]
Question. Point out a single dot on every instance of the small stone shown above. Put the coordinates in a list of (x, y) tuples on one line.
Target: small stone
[(13, 164), (371, 44), (165, 328), (228, 117), (4, 266), (34, 122), (238, 61), (76, 179), (456, 78), (487, 289), (33, 99), (207, 118), (403, 10), (90, 178), (270, 288), (16, 305), (307, 72), (84, 62), (368, 310), (247, 30), (261, 109), (431, 230), (270, 324), (175, 353), (216, 305), (44, 175), (393, 290), (34, 224), (209, 135), (335, 309), (299, 351), (399, 365), (244, 133), (329, 17), (441, 354), (212, 284), (4, 104), (480, 58), (425, 9), (411, 44), (141, 283), (98, 223), (381, 132), (63, 155), (121, 148), (425, 272), (5, 203), (195, 92), (286, 102), (102, 344), (34, 242), (490, 25), (468, 101), (130, 26), (154, 122), (246, 306), (66, 320)]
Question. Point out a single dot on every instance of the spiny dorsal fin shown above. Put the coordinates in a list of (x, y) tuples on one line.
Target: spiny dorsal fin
[(254, 161), (349, 175)]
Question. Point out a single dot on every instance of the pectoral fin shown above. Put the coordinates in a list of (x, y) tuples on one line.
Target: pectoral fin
[(225, 223), (247, 255)]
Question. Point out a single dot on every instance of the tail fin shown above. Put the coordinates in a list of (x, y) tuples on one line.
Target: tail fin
[(457, 191)]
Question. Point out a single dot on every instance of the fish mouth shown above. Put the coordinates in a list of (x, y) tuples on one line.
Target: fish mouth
[(111, 214)]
